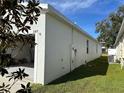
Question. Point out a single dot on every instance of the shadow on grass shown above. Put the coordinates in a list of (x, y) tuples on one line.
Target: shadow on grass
[(95, 67)]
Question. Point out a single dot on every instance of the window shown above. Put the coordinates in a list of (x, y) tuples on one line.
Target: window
[(87, 46)]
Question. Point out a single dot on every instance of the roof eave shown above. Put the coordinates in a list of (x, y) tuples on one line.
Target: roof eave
[(121, 31), (51, 10)]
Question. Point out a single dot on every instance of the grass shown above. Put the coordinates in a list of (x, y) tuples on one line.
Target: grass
[(96, 77)]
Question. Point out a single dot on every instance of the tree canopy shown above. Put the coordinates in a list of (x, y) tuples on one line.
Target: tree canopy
[(110, 26), (14, 15)]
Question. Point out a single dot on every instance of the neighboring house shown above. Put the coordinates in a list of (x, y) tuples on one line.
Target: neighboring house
[(61, 46), (119, 43)]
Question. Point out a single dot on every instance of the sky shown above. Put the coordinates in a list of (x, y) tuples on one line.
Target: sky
[(86, 13)]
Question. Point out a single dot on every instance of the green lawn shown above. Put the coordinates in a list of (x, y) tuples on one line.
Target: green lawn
[(97, 77)]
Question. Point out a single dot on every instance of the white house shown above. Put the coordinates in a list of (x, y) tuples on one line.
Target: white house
[(61, 46), (119, 43), (111, 55)]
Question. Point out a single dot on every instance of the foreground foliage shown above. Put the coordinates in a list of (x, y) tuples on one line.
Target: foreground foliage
[(97, 77), (15, 18), (15, 77)]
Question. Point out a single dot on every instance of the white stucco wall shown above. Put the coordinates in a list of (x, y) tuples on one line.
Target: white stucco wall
[(120, 49), (39, 63), (58, 43), (60, 39)]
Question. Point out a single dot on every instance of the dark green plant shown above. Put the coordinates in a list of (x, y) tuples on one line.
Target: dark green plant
[(3, 71), (6, 60), (25, 89)]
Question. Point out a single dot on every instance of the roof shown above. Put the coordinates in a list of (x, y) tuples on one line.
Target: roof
[(120, 33), (46, 8)]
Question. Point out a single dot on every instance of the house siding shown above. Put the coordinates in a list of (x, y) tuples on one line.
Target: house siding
[(120, 49), (60, 41)]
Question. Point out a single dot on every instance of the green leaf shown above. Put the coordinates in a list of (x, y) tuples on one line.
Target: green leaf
[(23, 86), (28, 85)]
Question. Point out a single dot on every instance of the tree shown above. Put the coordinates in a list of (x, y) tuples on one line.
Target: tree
[(14, 13), (110, 26), (16, 17)]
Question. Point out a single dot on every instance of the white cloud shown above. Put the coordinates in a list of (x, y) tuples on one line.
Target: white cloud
[(72, 5)]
